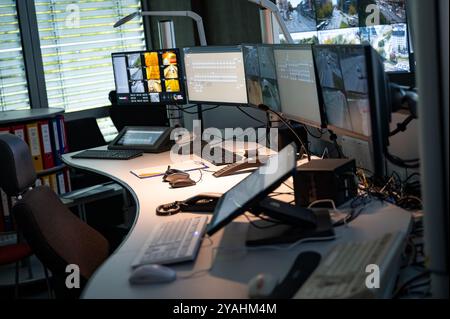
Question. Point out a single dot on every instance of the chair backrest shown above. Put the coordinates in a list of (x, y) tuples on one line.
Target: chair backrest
[(17, 172), (56, 235)]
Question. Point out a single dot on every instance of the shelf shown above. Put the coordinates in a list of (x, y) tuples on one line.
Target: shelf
[(10, 117)]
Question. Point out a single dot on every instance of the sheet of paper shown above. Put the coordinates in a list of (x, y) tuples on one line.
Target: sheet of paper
[(156, 171)]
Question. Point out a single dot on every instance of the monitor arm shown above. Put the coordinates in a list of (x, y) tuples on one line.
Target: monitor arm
[(403, 98), (272, 7), (190, 14)]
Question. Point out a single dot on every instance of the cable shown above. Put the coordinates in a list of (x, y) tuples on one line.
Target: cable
[(402, 127), (251, 116), (194, 113), (405, 285), (314, 136), (288, 186), (401, 162), (289, 126), (333, 138), (273, 223), (201, 175)]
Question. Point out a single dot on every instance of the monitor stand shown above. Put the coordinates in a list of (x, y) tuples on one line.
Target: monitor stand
[(263, 233)]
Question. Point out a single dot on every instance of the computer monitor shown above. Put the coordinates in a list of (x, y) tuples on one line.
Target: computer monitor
[(268, 77), (261, 76), (356, 95), (252, 75), (215, 75), (253, 188), (149, 77), (297, 84)]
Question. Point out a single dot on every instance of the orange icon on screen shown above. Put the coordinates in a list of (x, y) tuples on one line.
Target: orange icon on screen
[(171, 72), (169, 58), (151, 59), (172, 86)]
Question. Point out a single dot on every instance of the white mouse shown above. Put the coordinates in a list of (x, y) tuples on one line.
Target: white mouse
[(150, 274), (262, 286)]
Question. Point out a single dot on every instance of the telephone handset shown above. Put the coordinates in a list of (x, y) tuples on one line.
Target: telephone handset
[(241, 167), (201, 203), (205, 202)]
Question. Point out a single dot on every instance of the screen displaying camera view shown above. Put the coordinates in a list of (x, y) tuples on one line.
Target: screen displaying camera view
[(343, 77), (380, 23), (149, 77), (261, 76)]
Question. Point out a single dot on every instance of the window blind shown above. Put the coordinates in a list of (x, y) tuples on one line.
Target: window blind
[(13, 81), (77, 39)]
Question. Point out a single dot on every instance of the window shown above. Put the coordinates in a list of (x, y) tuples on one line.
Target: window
[(13, 81), (77, 39)]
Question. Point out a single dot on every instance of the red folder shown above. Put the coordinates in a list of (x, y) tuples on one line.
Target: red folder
[(20, 131), (46, 144)]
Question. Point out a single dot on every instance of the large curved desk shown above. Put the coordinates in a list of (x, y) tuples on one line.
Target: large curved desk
[(219, 273)]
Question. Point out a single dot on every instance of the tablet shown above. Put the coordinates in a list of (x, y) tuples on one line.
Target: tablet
[(149, 139)]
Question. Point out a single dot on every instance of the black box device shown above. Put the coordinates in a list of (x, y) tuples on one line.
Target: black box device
[(325, 179)]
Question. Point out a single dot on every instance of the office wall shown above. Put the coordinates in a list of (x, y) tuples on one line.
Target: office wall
[(185, 31), (229, 22)]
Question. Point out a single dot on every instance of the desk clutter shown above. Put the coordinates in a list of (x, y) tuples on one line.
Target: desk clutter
[(277, 220)]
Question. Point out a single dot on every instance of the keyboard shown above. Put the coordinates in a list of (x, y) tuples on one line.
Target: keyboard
[(173, 242), (108, 154), (342, 273)]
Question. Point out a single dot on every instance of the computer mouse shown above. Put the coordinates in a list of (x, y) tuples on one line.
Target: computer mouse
[(262, 286), (185, 182), (175, 176), (152, 274)]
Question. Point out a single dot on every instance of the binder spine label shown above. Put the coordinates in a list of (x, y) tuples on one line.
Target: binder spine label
[(34, 141)]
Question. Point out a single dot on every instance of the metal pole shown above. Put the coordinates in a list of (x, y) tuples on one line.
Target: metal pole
[(267, 33), (167, 41), (166, 34)]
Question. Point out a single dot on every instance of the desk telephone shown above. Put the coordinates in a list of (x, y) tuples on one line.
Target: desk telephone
[(241, 167), (202, 203)]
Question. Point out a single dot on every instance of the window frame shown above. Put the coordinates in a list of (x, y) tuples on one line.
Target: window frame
[(34, 68)]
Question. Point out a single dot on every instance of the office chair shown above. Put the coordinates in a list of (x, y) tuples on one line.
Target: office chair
[(57, 237), (14, 254)]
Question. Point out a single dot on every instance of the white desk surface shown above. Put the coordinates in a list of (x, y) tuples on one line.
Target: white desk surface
[(231, 269)]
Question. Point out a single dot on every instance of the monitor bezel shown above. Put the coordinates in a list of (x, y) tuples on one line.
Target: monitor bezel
[(318, 87), (213, 49), (181, 78), (251, 202)]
